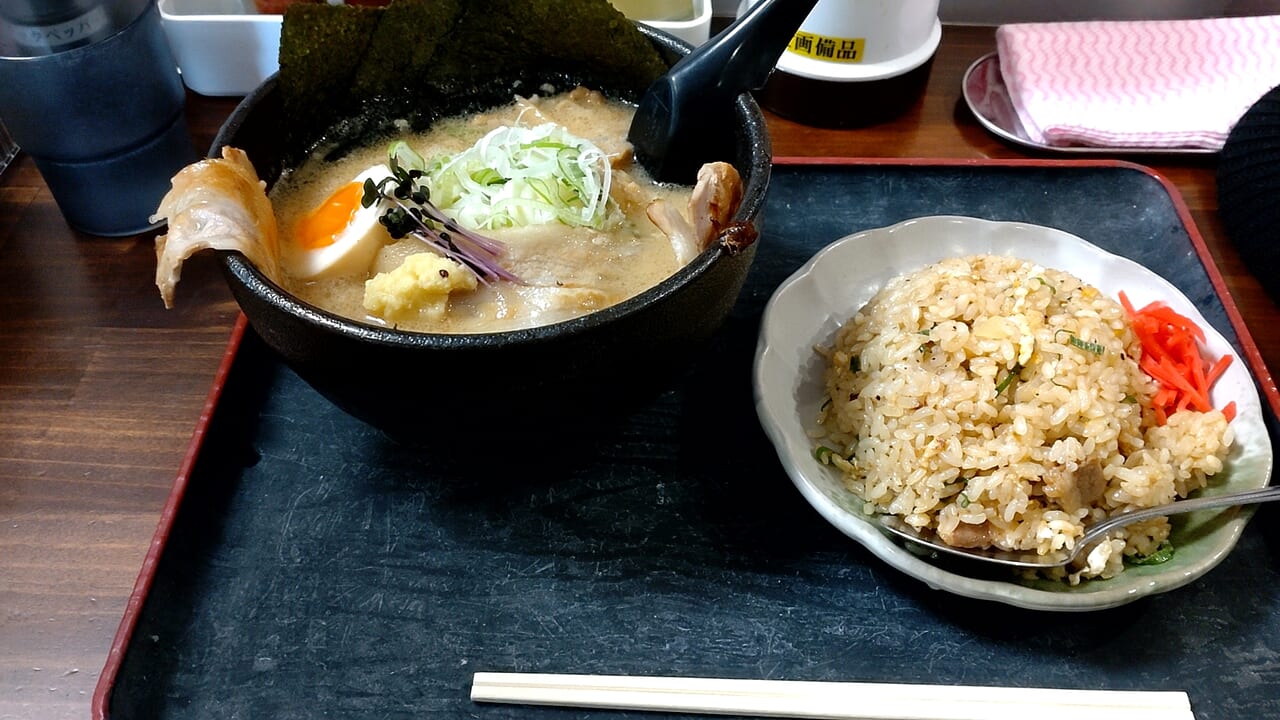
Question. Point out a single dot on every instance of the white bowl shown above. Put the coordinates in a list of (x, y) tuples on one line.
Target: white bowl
[(788, 378), (221, 48), (694, 31)]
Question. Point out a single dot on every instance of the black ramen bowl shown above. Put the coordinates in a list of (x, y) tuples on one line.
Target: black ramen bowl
[(579, 371)]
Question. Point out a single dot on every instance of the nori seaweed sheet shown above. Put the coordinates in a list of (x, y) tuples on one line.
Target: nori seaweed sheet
[(353, 67)]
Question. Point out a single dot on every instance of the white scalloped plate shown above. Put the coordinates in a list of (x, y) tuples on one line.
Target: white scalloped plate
[(806, 310)]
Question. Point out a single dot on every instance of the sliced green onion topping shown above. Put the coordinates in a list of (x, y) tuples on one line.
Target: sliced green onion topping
[(1008, 379), (519, 176), (1087, 346), (1162, 554), (405, 156)]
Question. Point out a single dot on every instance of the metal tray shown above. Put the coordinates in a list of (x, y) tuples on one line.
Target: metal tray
[(988, 99), (306, 566)]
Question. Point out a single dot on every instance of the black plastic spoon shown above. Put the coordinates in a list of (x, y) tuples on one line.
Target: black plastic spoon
[(684, 118)]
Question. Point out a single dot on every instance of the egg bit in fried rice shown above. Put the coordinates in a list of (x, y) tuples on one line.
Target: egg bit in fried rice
[(1001, 404)]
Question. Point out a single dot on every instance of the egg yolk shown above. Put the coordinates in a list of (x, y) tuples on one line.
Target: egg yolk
[(321, 227)]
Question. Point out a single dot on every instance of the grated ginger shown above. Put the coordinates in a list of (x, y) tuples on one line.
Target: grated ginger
[(419, 287)]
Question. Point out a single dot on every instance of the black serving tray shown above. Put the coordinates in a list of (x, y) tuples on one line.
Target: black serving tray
[(307, 566)]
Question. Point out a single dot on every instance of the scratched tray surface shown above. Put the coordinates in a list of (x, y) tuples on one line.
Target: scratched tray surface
[(319, 569)]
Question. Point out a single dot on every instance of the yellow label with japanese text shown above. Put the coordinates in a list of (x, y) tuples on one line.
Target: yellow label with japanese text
[(830, 49)]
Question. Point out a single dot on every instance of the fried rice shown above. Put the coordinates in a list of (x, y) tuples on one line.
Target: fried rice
[(1000, 404)]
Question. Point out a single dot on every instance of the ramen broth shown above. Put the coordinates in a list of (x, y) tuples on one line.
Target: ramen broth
[(564, 271)]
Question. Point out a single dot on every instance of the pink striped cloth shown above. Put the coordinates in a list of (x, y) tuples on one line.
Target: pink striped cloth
[(1146, 83)]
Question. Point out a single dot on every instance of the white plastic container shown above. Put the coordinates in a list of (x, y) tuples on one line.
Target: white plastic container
[(221, 47), (879, 39), (694, 31), (854, 62), (862, 39)]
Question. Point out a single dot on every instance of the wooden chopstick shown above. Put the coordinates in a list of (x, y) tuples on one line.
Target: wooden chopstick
[(833, 700)]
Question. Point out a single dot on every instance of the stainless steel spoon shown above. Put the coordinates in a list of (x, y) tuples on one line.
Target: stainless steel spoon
[(1092, 534)]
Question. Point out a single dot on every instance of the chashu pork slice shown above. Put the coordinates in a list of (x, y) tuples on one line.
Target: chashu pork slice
[(217, 204), (715, 199)]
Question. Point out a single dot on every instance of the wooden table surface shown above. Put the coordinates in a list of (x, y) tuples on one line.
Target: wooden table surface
[(101, 387)]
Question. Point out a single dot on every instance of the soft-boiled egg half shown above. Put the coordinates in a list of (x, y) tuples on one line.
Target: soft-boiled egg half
[(339, 237)]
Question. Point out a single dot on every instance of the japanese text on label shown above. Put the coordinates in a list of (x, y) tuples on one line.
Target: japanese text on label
[(830, 49)]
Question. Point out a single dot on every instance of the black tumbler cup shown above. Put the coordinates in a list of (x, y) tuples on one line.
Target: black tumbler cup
[(91, 90)]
